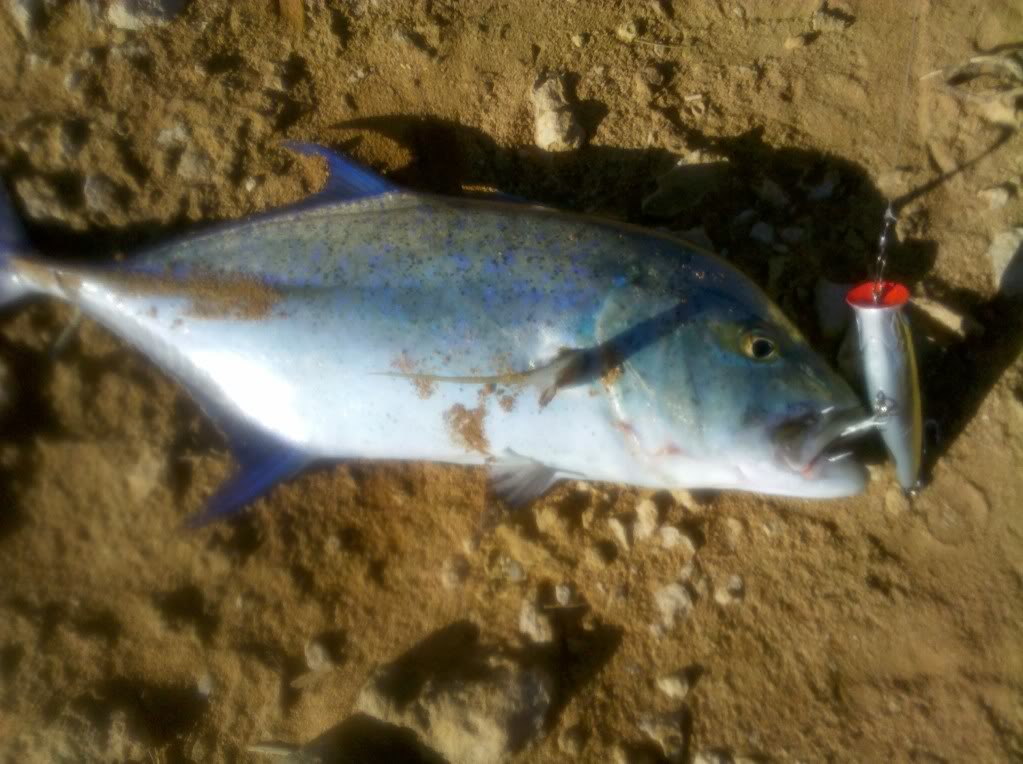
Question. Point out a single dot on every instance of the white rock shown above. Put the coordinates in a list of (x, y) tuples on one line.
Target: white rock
[(647, 520), (26, 15), (453, 571), (628, 31), (580, 39), (673, 602), (512, 570), (731, 592), (666, 731), (555, 126), (675, 686), (996, 196), (563, 594), (138, 14), (1006, 256), (317, 656), (674, 538), (100, 193), (535, 625), (762, 232), (205, 685), (621, 532), (480, 710)]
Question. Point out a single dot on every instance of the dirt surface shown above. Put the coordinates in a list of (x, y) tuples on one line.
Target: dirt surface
[(868, 629)]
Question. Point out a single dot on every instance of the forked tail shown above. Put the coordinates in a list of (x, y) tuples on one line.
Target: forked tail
[(12, 242)]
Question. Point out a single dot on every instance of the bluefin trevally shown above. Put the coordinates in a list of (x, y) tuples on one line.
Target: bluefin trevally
[(371, 322)]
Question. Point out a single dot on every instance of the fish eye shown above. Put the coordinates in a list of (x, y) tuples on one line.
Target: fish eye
[(759, 347)]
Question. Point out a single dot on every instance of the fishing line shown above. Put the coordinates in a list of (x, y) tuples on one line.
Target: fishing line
[(889, 219)]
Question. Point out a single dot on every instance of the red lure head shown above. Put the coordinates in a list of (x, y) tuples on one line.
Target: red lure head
[(870, 294)]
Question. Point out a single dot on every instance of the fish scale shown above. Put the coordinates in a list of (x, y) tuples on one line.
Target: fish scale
[(374, 323)]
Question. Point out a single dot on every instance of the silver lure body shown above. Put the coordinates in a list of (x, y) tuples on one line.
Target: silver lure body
[(404, 326), (892, 379)]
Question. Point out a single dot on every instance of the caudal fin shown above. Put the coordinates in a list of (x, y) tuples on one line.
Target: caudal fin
[(12, 242)]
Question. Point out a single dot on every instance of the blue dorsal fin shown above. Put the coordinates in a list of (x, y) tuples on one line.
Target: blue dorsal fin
[(345, 178)]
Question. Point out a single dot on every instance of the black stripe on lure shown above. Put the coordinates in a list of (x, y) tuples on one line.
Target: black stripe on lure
[(891, 374)]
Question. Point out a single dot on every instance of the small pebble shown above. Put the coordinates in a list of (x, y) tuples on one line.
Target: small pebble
[(513, 571), (572, 739), (580, 39), (563, 594), (828, 20), (621, 532), (647, 520), (711, 757), (646, 82), (792, 234), (317, 656), (673, 602), (453, 571), (795, 42), (204, 686), (535, 625), (762, 232), (555, 125), (673, 538), (666, 731), (823, 191), (675, 686), (629, 31), (996, 196), (771, 193), (1006, 257), (731, 592)]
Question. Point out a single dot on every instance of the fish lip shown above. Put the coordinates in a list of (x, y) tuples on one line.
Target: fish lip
[(805, 439)]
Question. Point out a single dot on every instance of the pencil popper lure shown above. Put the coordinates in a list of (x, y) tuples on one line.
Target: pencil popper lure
[(890, 372)]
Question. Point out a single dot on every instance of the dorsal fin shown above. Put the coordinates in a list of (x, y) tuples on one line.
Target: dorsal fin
[(346, 180)]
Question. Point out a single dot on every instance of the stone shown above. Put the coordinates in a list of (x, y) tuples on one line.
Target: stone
[(512, 570), (1006, 257), (40, 199), (647, 520), (572, 739), (771, 193), (762, 232), (731, 592), (100, 194), (833, 312), (646, 82), (317, 656), (792, 234), (621, 532), (27, 15), (675, 686), (628, 31), (960, 324), (673, 603), (563, 595), (580, 39), (830, 20), (469, 703), (711, 757), (453, 571), (134, 15), (534, 625), (685, 184), (665, 730), (996, 196), (555, 125)]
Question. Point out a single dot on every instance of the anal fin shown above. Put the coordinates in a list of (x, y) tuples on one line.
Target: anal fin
[(262, 462)]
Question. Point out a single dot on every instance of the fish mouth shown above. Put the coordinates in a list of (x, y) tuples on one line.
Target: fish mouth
[(814, 443)]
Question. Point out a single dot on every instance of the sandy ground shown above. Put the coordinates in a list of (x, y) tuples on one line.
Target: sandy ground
[(868, 629)]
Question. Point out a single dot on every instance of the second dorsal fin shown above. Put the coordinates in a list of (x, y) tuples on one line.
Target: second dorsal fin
[(346, 180)]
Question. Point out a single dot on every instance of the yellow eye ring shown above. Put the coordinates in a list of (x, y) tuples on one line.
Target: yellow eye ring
[(759, 347)]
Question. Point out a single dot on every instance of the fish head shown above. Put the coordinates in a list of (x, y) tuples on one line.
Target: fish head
[(734, 397)]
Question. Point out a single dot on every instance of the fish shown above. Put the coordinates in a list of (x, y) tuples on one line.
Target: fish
[(891, 375), (372, 322)]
